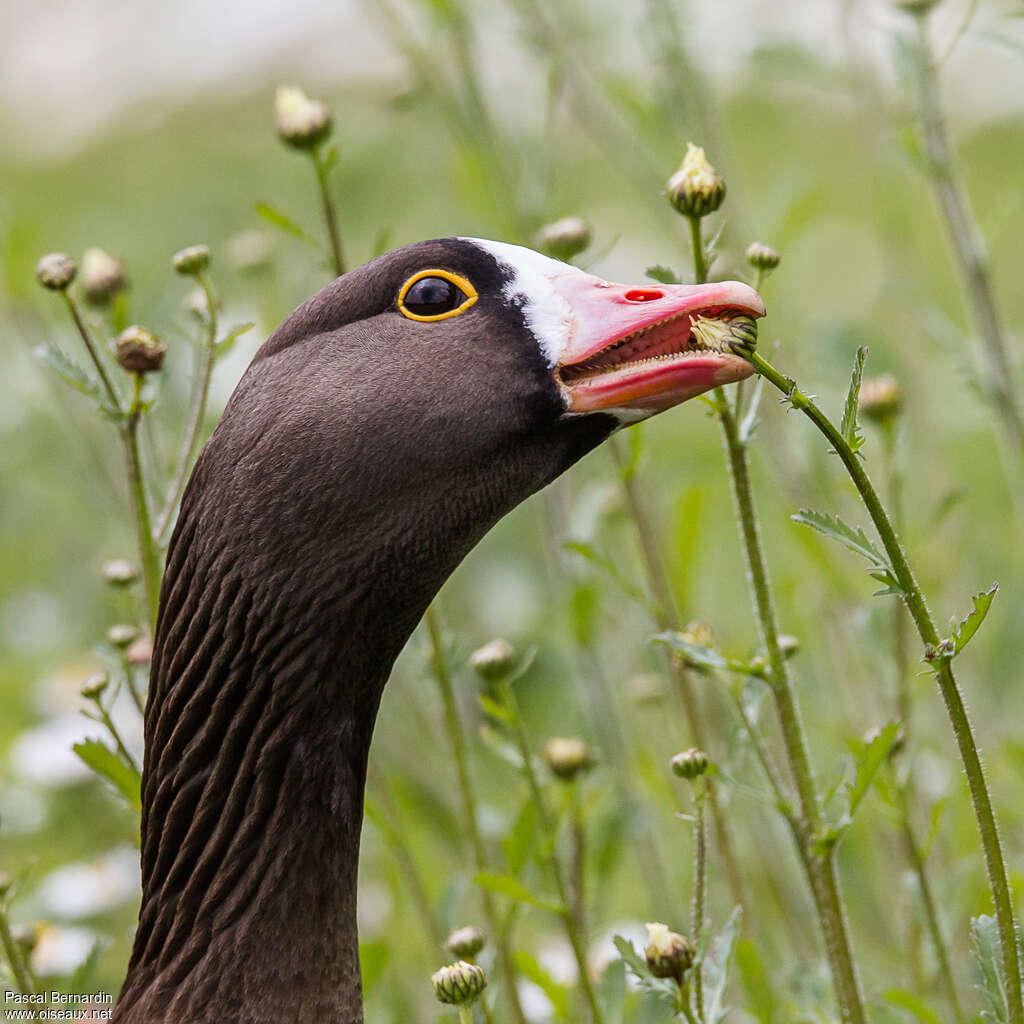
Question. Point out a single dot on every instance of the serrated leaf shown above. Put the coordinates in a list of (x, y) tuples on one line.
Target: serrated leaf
[(103, 761), (848, 425), (285, 223), (515, 890), (530, 968), (987, 952), (695, 655), (869, 759), (663, 274), (853, 538), (638, 968), (227, 343), (69, 371), (715, 969), (971, 623)]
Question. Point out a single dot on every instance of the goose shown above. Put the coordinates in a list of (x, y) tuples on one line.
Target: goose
[(377, 435)]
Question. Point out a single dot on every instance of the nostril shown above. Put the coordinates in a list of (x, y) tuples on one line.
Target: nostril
[(643, 295)]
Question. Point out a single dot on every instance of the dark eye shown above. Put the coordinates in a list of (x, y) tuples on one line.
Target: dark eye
[(430, 296), (435, 294)]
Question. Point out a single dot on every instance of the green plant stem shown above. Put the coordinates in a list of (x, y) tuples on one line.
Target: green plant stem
[(196, 414), (905, 786), (574, 934), (465, 1015), (129, 678), (453, 725), (108, 386), (105, 719), (684, 1004), (700, 882), (820, 866), (668, 618), (19, 971), (942, 667), (322, 169), (966, 239), (140, 503), (577, 895), (700, 258)]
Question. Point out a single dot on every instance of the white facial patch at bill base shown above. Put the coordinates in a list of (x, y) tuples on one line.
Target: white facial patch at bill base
[(547, 314)]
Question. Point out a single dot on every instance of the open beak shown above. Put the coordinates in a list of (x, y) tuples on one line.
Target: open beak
[(635, 348)]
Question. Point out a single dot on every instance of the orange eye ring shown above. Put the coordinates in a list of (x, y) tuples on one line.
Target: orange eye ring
[(458, 280)]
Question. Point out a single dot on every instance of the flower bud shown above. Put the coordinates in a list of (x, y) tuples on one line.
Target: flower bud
[(56, 271), (102, 276), (881, 399), (94, 686), (122, 636), (788, 645), (301, 122), (690, 764), (564, 238), (494, 660), (762, 257), (140, 652), (696, 189), (192, 260), (139, 350), (459, 984), (669, 954), (119, 572), (466, 942), (727, 333), (567, 756), (698, 634)]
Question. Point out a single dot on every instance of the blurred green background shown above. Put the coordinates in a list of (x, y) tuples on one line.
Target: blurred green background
[(142, 129)]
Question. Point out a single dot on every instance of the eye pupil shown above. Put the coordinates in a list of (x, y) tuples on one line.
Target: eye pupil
[(430, 296)]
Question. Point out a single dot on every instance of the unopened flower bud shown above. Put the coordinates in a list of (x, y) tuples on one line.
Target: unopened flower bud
[(56, 271), (494, 660), (789, 645), (192, 260), (102, 276), (698, 634), (669, 954), (727, 333), (564, 238), (881, 399), (459, 984), (95, 685), (690, 764), (119, 572), (696, 189), (466, 942), (140, 652), (567, 756), (139, 350), (301, 122), (122, 635), (761, 256)]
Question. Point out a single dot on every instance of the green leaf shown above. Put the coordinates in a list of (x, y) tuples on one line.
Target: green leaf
[(760, 996), (285, 223), (715, 970), (848, 425), (497, 744), (588, 552), (494, 708), (663, 274), (528, 966), (856, 540), (102, 760), (918, 1007), (514, 889), (695, 655), (870, 758), (227, 343), (373, 958), (971, 623), (85, 972), (987, 952), (521, 839), (69, 371)]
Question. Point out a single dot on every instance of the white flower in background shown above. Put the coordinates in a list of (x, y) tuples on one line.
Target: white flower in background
[(81, 890), (60, 949)]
